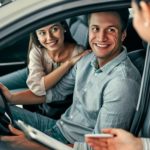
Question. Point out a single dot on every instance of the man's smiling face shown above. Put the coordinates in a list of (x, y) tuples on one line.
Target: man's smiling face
[(105, 35)]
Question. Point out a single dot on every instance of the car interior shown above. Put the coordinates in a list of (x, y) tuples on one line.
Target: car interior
[(79, 29)]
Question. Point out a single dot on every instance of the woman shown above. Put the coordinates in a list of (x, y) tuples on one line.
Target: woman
[(52, 53), (51, 56), (124, 140), (17, 79)]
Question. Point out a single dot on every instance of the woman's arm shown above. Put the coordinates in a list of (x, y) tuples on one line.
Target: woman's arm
[(38, 81), (52, 78), (26, 97), (22, 97)]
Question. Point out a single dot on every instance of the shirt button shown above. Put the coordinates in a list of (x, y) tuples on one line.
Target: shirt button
[(71, 116), (61, 122), (85, 90)]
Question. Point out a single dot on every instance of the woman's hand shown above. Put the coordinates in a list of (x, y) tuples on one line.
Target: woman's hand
[(6, 92), (76, 58), (122, 140)]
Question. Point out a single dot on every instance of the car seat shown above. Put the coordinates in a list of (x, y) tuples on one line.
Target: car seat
[(79, 29), (138, 58)]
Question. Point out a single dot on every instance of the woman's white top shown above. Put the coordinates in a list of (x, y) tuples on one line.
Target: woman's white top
[(40, 64)]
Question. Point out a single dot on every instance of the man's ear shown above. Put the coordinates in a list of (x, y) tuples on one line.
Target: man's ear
[(123, 36)]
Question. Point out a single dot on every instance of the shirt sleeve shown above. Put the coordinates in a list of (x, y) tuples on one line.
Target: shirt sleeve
[(119, 104), (146, 143), (81, 146), (63, 88), (35, 80)]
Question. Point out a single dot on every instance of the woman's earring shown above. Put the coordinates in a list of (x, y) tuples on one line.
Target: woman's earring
[(65, 31)]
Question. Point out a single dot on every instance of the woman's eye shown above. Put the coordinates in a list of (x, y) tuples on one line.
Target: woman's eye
[(41, 33), (54, 29)]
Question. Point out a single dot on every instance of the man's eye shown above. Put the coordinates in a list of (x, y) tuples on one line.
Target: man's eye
[(111, 30), (94, 29)]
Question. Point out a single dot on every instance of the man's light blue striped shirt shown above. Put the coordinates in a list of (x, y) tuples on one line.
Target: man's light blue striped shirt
[(102, 97)]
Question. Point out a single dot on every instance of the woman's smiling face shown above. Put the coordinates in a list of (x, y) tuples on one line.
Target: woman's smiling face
[(51, 36)]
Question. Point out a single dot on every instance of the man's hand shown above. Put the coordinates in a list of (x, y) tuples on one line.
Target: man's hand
[(17, 136), (19, 140)]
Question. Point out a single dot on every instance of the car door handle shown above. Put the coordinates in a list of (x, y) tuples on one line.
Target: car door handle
[(13, 63)]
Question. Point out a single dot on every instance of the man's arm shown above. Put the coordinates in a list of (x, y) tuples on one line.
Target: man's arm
[(62, 88), (120, 98)]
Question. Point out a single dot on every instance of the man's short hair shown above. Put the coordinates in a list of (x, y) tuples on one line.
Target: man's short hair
[(124, 17), (123, 14)]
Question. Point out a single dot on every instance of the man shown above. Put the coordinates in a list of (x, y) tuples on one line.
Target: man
[(105, 85), (124, 140)]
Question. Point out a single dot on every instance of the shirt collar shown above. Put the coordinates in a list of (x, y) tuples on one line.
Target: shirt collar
[(111, 64)]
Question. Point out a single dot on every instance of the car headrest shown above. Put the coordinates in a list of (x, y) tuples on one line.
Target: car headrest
[(138, 58), (79, 29)]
